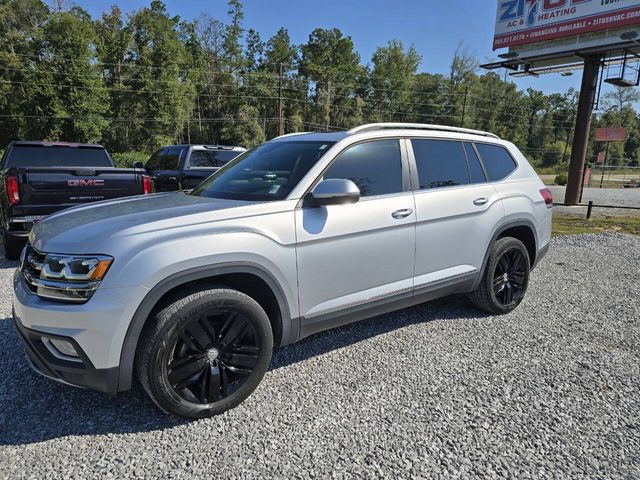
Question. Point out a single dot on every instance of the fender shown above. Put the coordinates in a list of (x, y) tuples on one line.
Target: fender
[(497, 232), (127, 355)]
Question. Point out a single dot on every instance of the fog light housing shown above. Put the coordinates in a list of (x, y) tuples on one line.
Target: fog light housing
[(62, 349)]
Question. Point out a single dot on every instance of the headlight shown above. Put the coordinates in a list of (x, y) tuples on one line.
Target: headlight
[(64, 277)]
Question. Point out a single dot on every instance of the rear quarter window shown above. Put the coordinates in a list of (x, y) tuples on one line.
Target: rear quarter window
[(498, 162)]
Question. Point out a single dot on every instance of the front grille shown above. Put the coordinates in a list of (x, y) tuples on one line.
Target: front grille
[(32, 266)]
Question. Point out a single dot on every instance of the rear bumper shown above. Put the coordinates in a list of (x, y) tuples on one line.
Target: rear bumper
[(79, 373)]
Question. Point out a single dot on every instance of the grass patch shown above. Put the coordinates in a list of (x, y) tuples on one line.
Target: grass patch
[(573, 225)]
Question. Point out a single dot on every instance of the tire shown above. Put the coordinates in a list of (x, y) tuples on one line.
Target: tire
[(497, 293), (12, 246), (205, 353)]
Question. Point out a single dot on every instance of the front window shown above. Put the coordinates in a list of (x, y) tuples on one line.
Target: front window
[(167, 158), (267, 172), (375, 167)]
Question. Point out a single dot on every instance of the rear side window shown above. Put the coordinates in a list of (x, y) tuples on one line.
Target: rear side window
[(440, 163), (475, 169), (56, 156), (497, 161), (375, 167)]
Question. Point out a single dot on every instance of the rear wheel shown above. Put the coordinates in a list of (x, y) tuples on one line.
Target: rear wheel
[(505, 278), (205, 353), (12, 246)]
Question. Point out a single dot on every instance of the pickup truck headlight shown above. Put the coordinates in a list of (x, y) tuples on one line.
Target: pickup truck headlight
[(64, 277)]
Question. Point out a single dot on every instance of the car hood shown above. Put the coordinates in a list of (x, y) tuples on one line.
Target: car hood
[(80, 229)]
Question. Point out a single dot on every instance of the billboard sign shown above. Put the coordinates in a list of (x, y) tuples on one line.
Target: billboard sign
[(522, 22), (612, 134)]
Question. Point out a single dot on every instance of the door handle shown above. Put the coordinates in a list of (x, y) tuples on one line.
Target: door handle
[(404, 213), (480, 201), (172, 179)]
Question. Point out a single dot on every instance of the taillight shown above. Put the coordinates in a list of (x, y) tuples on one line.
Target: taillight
[(547, 196), (11, 187), (146, 184)]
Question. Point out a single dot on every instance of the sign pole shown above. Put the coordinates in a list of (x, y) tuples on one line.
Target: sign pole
[(606, 156), (581, 133)]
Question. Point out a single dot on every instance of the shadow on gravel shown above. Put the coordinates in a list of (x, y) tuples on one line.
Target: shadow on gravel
[(35, 409), (449, 308)]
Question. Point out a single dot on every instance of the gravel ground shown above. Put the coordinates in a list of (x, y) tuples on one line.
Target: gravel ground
[(628, 197), (551, 390)]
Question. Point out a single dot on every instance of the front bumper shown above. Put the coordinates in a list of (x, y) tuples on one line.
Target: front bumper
[(95, 329), (79, 373)]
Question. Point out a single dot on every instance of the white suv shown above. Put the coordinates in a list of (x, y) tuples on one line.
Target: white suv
[(298, 235)]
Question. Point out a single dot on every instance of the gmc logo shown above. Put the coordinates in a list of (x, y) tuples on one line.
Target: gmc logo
[(85, 183)]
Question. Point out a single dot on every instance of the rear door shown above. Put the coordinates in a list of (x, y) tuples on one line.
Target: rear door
[(352, 256), (457, 211), (164, 169)]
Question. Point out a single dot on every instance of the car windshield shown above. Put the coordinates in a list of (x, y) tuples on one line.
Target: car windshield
[(267, 172)]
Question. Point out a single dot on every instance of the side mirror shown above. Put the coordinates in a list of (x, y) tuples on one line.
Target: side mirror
[(334, 191), (138, 164)]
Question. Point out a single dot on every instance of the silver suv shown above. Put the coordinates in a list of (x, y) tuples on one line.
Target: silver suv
[(191, 292)]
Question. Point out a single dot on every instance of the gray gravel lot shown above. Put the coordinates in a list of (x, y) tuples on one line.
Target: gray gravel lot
[(551, 390), (628, 197)]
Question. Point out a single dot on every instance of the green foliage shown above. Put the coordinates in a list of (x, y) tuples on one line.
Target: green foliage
[(554, 153), (561, 179), (127, 159), (140, 80), (243, 130)]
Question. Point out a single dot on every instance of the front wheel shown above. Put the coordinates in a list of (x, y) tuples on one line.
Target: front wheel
[(205, 353), (12, 246), (505, 278)]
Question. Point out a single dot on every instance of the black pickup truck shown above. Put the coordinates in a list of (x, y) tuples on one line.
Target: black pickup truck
[(184, 167), (41, 178)]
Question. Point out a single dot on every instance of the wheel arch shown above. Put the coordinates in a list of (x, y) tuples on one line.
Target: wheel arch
[(524, 230), (282, 323)]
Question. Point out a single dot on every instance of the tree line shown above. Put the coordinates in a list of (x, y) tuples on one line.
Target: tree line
[(135, 81)]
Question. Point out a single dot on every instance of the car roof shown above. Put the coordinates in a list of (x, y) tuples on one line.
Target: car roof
[(377, 130), (42, 143), (205, 145)]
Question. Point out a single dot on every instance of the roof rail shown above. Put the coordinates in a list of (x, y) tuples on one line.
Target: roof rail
[(420, 126), (290, 135)]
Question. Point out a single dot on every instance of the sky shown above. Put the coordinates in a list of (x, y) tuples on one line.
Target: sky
[(434, 27)]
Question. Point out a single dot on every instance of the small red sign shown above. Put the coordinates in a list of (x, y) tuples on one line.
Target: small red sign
[(612, 134)]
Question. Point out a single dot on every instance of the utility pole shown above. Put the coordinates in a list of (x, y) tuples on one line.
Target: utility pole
[(464, 105), (280, 107), (328, 115), (583, 125)]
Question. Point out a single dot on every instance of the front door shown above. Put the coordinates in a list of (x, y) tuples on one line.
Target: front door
[(164, 169), (353, 256)]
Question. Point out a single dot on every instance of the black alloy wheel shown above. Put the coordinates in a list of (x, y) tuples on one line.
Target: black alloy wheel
[(205, 352), (509, 277), (505, 277), (212, 356)]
